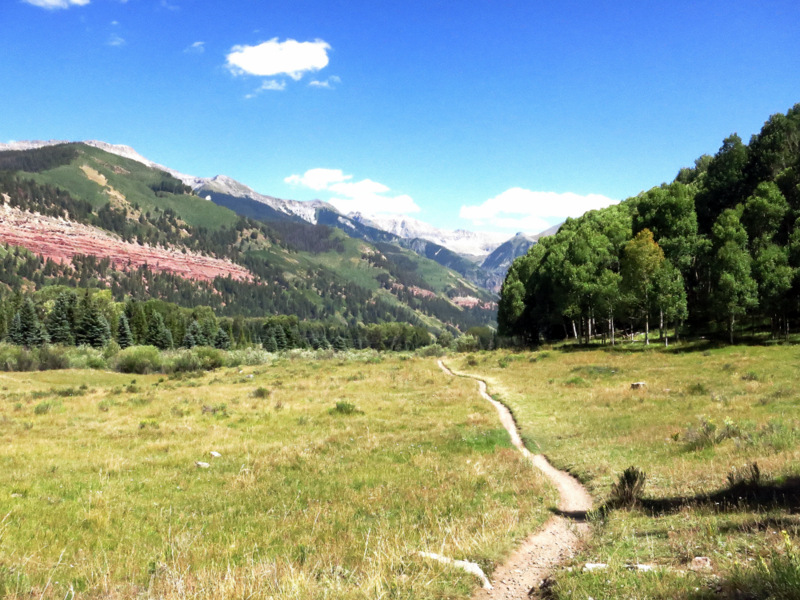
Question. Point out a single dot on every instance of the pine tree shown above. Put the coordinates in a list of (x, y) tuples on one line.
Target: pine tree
[(270, 345), (194, 336), (280, 338), (158, 334), (92, 328), (26, 329), (222, 340), (124, 335), (60, 321), (15, 330)]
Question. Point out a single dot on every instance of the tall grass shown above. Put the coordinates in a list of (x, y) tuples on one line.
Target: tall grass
[(106, 498)]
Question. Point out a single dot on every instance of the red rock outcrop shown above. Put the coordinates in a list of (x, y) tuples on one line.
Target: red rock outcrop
[(60, 240)]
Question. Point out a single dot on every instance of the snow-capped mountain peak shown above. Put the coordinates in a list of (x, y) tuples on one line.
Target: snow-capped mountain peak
[(460, 241)]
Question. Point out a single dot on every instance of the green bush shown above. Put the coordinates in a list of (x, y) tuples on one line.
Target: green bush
[(53, 357), (210, 358), (432, 350), (139, 359), (180, 361), (345, 408), (17, 358), (86, 357), (629, 487)]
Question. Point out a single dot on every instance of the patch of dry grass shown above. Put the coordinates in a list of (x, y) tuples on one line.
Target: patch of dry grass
[(100, 495), (702, 417)]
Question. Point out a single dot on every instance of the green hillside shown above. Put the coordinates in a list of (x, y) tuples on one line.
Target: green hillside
[(311, 271)]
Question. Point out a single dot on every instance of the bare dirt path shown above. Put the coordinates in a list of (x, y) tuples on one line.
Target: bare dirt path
[(556, 541)]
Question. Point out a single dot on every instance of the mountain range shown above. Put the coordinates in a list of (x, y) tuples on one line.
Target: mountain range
[(66, 201), (483, 258)]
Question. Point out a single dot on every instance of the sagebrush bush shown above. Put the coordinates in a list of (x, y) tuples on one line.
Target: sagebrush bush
[(139, 359), (627, 491)]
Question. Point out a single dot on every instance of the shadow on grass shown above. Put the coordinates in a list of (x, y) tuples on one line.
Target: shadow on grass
[(784, 493)]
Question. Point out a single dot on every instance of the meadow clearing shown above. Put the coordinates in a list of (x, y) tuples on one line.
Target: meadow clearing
[(332, 475), (715, 430)]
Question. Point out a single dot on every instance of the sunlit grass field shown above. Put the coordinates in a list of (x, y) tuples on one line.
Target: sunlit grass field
[(704, 417), (332, 474)]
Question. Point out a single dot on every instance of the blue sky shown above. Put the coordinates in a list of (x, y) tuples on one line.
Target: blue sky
[(487, 115)]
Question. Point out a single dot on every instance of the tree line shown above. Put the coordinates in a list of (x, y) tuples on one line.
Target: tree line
[(716, 248), (59, 315)]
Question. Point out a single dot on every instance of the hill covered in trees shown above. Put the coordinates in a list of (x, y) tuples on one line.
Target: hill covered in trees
[(164, 237), (715, 248)]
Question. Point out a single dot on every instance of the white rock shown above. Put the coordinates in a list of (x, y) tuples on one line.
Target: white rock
[(215, 454), (701, 563), (638, 385), (202, 465), (595, 566)]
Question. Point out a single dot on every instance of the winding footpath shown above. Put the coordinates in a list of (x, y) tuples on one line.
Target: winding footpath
[(556, 541)]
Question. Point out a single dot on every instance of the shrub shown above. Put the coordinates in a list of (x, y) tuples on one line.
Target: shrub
[(432, 350), (345, 408), (697, 389), (210, 358), (43, 408), (86, 357), (180, 361), (629, 487), (749, 476), (53, 357), (139, 359), (261, 392), (17, 358), (467, 343), (249, 357)]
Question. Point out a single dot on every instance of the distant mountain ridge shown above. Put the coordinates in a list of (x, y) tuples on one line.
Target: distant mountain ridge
[(482, 258)]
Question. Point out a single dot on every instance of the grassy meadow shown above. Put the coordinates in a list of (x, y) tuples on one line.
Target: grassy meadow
[(705, 418), (332, 474)]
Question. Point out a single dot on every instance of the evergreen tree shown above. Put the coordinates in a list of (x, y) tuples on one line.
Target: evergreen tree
[(222, 340), (194, 336), (124, 335), (339, 344), (15, 330), (270, 345), (92, 328), (137, 320), (158, 334), (26, 329), (60, 321), (280, 338)]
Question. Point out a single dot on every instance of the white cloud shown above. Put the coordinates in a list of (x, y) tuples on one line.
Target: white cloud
[(272, 58), (328, 83), (270, 85), (318, 179), (527, 210), (196, 48), (54, 4), (115, 40), (348, 196)]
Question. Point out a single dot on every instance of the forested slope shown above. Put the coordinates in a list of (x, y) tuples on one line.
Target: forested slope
[(715, 247)]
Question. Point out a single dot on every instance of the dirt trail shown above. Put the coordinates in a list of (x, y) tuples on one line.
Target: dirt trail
[(551, 545)]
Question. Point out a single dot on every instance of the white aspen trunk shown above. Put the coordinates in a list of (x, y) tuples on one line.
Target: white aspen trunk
[(647, 329), (574, 329)]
